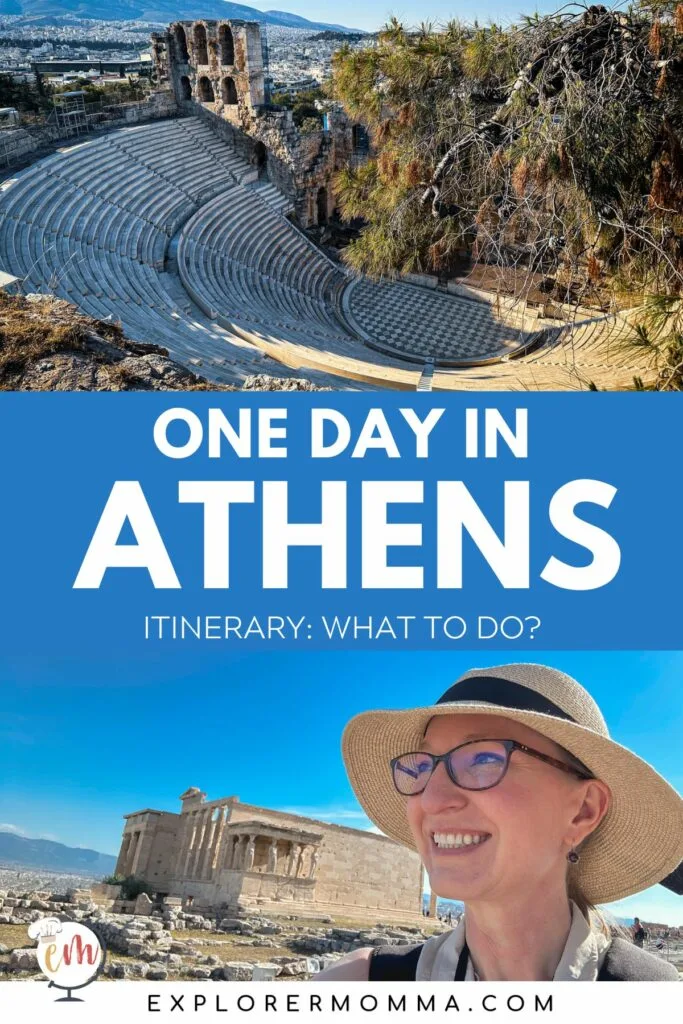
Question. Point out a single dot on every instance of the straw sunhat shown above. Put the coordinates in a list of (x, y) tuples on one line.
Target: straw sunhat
[(640, 840)]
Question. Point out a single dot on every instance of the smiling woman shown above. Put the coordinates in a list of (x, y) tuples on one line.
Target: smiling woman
[(520, 805)]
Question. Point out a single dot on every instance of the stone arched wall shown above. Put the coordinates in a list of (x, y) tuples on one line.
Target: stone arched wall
[(300, 165), (226, 42), (180, 48), (200, 44), (205, 90)]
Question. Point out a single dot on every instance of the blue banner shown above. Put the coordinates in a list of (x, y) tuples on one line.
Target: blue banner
[(271, 520)]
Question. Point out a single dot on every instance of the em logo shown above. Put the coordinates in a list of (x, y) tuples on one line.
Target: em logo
[(69, 954)]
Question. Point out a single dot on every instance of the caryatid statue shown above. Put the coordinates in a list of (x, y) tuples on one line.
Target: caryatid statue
[(315, 857), (249, 854), (293, 862), (272, 857), (238, 857), (300, 862)]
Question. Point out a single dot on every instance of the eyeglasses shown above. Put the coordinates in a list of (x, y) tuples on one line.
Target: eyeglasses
[(479, 764)]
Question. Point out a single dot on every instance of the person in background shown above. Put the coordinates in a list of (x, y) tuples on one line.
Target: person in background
[(638, 932)]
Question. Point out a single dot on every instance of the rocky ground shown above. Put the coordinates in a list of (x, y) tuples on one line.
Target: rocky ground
[(172, 944), (47, 345)]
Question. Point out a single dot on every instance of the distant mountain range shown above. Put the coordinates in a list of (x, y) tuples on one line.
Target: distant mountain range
[(46, 855), (158, 10)]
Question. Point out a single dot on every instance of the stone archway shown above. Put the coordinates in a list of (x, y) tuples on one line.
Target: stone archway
[(360, 139), (201, 49), (227, 44), (205, 89), (260, 155), (321, 205), (229, 92), (185, 88), (181, 44)]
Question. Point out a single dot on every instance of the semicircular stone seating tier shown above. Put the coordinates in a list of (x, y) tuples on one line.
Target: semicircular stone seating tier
[(99, 223)]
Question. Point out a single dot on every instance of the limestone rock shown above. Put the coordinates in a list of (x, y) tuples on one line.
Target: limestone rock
[(237, 970), (115, 970), (263, 382), (23, 960), (157, 972), (231, 924), (137, 969), (297, 968), (198, 972)]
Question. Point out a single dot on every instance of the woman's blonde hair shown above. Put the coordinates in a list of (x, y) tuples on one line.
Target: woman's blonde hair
[(594, 916), (607, 925)]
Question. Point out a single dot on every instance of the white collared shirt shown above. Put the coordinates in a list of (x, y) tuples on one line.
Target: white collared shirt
[(581, 958)]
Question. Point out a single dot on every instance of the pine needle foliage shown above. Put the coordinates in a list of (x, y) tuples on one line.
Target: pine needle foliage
[(554, 147)]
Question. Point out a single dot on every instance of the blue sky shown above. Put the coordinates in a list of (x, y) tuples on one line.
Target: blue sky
[(82, 743), (375, 13)]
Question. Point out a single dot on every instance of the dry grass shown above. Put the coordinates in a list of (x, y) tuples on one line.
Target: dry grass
[(37, 330), (25, 339), (360, 924), (31, 331), (236, 952)]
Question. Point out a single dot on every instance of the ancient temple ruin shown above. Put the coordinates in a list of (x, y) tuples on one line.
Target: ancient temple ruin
[(216, 70), (227, 853)]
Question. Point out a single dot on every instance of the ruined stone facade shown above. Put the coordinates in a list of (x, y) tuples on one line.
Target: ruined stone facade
[(226, 853), (216, 69), (218, 63)]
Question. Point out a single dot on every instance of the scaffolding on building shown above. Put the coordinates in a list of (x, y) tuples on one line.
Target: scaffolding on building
[(70, 112)]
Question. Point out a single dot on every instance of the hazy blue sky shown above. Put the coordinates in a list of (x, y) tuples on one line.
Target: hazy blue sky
[(82, 743), (374, 13)]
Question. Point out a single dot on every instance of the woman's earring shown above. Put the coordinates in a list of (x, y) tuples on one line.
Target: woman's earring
[(573, 856)]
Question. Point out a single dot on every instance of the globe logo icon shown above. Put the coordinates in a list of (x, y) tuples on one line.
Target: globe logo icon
[(70, 954)]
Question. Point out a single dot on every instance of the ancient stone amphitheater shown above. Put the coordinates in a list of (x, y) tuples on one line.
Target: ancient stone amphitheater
[(167, 229)]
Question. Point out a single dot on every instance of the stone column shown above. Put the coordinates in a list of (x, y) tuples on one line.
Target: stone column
[(432, 905), (186, 845), (189, 844), (216, 842), (202, 828), (230, 849), (196, 843), (207, 844)]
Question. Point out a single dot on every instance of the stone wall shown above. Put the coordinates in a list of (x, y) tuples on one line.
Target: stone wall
[(356, 869), (216, 63), (190, 58), (148, 847), (21, 145)]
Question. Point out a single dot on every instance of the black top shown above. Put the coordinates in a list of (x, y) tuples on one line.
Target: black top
[(623, 962)]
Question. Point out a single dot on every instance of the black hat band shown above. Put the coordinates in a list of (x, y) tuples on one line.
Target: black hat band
[(505, 693)]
